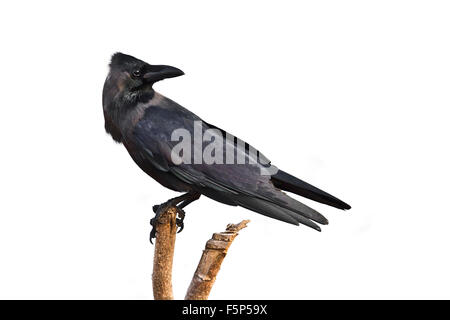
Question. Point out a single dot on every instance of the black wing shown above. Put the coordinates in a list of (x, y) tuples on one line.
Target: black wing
[(238, 184)]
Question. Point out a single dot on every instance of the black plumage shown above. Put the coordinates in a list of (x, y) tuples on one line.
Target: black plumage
[(144, 121)]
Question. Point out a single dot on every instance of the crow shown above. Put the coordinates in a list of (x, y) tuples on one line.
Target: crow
[(157, 133)]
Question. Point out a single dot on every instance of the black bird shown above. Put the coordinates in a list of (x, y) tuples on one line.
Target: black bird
[(144, 121)]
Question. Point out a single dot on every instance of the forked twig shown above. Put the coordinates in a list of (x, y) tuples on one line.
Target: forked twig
[(208, 267)]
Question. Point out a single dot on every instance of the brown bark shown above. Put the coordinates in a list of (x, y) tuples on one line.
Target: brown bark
[(211, 260), (166, 229)]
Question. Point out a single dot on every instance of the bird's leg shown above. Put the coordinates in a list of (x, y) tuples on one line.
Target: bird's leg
[(178, 203), (182, 214)]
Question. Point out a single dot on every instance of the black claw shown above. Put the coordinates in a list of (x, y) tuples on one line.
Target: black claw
[(180, 221), (157, 209), (152, 235), (153, 232), (180, 224)]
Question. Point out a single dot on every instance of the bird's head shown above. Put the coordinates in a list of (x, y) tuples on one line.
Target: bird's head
[(131, 77)]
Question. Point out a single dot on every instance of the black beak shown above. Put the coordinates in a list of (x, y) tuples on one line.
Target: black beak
[(159, 72)]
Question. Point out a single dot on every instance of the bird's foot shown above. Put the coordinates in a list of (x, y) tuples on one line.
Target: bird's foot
[(158, 210)]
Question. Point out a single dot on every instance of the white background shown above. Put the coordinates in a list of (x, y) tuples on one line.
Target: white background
[(351, 96)]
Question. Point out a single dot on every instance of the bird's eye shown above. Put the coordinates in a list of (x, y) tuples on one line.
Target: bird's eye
[(137, 73)]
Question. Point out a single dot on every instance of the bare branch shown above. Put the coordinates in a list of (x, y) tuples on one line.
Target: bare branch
[(166, 229), (215, 251)]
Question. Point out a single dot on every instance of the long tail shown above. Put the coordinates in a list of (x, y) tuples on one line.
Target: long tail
[(287, 182), (275, 211)]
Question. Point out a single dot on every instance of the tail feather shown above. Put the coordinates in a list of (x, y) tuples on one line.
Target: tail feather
[(265, 208), (302, 209), (303, 220), (287, 182), (274, 211)]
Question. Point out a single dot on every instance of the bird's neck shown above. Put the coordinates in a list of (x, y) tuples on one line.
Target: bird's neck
[(125, 111)]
